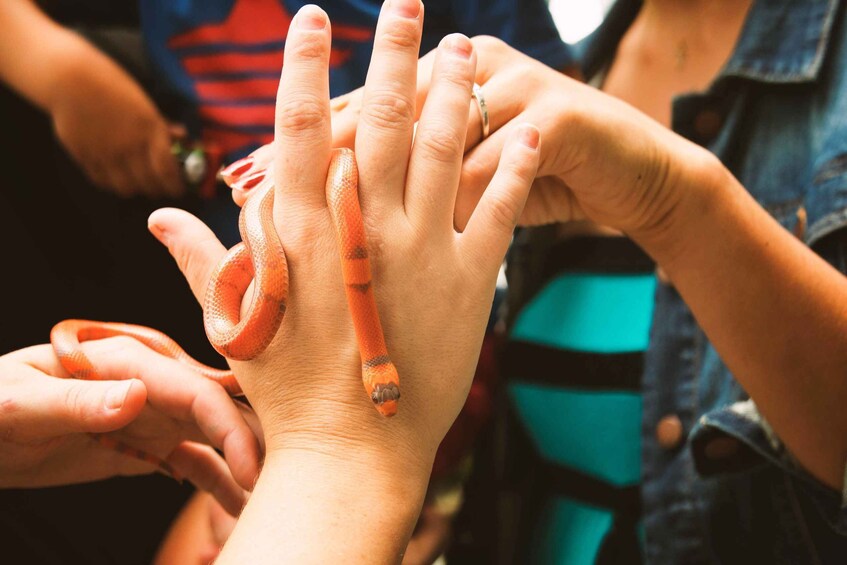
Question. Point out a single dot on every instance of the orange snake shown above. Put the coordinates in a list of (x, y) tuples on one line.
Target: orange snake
[(260, 258)]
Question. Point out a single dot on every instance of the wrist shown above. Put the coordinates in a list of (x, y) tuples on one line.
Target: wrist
[(371, 442), (693, 190), (322, 506)]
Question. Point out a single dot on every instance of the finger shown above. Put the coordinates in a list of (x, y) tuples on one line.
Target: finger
[(163, 168), (478, 169), (430, 538), (503, 103), (346, 109), (263, 156), (242, 190), (192, 244), (489, 231), (247, 183), (258, 160), (236, 170), (96, 174), (115, 180), (220, 523), (208, 472), (436, 160), (177, 132), (181, 393), (388, 105), (143, 179), (43, 407), (302, 112)]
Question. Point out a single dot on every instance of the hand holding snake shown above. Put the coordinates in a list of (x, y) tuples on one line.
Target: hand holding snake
[(432, 285)]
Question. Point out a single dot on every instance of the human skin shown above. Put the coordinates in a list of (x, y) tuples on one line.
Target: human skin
[(750, 284), (100, 115), (149, 401), (339, 479)]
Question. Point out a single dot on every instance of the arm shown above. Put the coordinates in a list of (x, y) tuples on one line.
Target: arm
[(34, 51), (101, 115), (775, 311)]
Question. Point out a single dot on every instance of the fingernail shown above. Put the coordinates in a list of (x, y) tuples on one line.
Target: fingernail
[(529, 136), (405, 8), (236, 169), (159, 234), (458, 44), (117, 394), (311, 17), (246, 183)]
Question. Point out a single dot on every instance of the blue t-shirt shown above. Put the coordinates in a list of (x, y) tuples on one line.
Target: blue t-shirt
[(223, 57)]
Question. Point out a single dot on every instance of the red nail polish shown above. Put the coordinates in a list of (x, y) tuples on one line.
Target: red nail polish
[(236, 169), (247, 183)]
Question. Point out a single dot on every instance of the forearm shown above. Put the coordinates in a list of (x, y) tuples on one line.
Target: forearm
[(315, 507), (36, 54), (775, 312)]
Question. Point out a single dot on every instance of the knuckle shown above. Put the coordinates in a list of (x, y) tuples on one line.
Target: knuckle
[(301, 117), (517, 169), (401, 35), (75, 401), (388, 111), (8, 407), (504, 212), (457, 75), (441, 144), (307, 47)]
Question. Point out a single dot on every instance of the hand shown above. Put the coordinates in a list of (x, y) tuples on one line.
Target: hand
[(430, 538), (434, 287), (601, 160), (114, 131), (150, 402), (197, 534)]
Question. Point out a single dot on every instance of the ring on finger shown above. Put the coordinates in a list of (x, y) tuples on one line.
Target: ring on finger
[(477, 95)]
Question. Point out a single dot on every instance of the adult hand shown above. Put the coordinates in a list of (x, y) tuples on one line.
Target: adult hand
[(113, 130), (601, 159), (431, 536), (148, 401), (434, 287)]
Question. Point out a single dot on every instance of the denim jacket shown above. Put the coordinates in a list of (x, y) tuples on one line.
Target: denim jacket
[(777, 118)]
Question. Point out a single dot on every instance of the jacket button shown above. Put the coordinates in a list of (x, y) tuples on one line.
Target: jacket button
[(707, 125), (669, 432)]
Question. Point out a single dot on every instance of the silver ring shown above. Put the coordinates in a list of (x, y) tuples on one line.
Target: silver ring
[(483, 108)]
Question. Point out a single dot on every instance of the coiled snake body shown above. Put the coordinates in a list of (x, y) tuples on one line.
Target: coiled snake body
[(260, 258)]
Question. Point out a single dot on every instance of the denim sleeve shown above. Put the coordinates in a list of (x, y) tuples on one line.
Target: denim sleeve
[(526, 25), (737, 437)]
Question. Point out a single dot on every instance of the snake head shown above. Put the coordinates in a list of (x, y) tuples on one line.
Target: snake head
[(385, 397)]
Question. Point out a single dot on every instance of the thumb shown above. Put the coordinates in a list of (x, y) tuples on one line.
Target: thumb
[(177, 131), (55, 407), (192, 244)]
